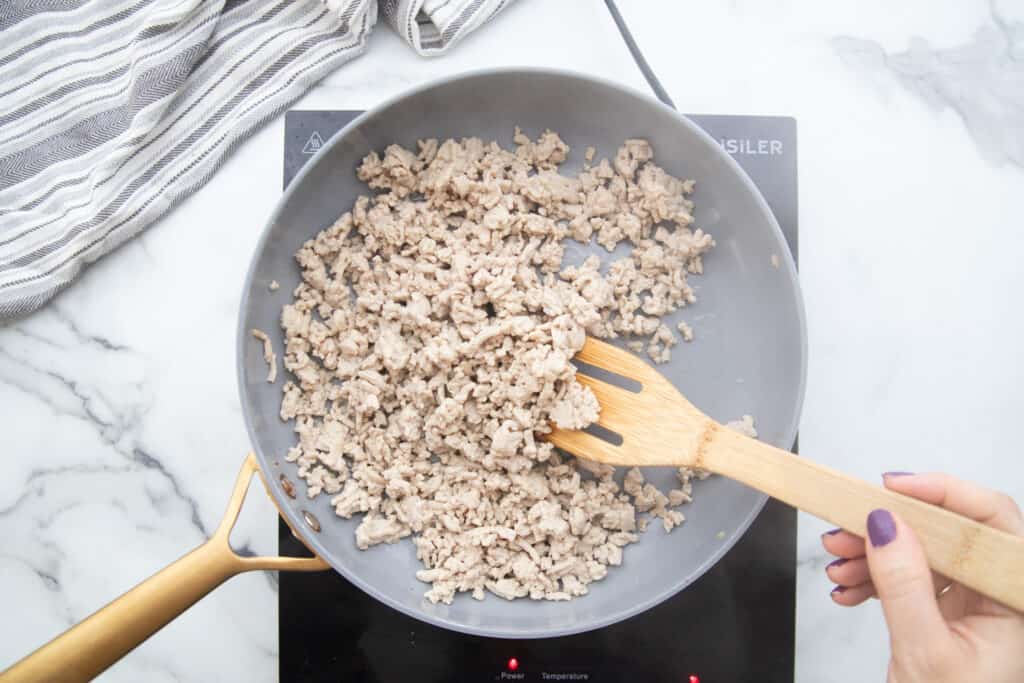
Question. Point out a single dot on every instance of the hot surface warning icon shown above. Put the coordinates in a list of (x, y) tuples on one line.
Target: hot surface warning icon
[(314, 144)]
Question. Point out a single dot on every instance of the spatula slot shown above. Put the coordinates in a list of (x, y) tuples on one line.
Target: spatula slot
[(605, 434), (627, 383)]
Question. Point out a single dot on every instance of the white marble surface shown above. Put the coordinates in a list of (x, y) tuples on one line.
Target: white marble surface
[(121, 425)]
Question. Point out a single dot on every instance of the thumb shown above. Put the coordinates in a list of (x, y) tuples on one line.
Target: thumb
[(903, 581)]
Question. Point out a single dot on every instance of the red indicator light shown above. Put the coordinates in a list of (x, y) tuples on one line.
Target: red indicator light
[(694, 678), (513, 664)]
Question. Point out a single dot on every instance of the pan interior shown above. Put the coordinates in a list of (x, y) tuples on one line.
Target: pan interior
[(748, 355)]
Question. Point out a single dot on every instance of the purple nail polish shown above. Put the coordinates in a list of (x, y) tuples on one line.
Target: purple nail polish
[(833, 532), (838, 589), (881, 527), (896, 474), (836, 563)]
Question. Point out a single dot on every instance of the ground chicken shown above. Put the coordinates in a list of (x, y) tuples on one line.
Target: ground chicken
[(268, 354), (429, 347)]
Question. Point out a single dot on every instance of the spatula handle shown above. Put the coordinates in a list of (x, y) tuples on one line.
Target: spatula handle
[(983, 558)]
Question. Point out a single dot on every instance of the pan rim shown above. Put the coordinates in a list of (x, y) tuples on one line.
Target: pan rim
[(295, 520)]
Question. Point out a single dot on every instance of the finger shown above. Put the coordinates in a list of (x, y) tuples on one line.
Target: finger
[(851, 596), (903, 580), (848, 572), (959, 496), (843, 544)]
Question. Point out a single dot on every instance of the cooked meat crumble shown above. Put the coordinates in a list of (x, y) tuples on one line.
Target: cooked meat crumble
[(268, 354), (429, 344)]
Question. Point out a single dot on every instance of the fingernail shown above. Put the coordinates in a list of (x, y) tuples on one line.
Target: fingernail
[(832, 533), (836, 563), (837, 590), (896, 474), (881, 527)]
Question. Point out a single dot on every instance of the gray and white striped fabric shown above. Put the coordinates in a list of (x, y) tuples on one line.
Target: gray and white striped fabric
[(112, 112)]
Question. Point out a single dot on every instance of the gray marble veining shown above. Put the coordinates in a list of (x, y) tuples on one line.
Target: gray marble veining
[(981, 80)]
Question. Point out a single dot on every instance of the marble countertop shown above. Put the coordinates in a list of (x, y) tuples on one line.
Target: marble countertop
[(122, 430)]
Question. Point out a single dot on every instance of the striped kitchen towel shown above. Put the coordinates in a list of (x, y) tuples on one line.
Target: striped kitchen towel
[(112, 112)]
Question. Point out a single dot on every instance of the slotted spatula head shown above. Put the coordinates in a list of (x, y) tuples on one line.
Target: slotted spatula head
[(657, 424)]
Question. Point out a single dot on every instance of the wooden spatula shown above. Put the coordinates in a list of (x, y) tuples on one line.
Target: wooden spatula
[(660, 427)]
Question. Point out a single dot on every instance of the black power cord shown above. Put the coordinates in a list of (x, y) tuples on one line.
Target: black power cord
[(638, 56)]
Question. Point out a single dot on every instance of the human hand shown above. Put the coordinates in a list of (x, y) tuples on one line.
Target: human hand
[(938, 631)]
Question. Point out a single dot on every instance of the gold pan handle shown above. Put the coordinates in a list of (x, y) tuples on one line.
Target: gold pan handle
[(90, 647)]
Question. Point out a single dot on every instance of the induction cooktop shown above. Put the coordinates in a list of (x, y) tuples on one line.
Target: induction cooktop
[(735, 624)]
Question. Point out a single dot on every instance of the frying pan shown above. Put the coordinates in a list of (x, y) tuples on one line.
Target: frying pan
[(749, 356)]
